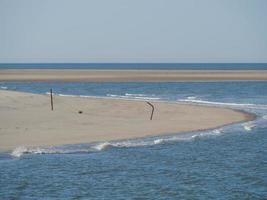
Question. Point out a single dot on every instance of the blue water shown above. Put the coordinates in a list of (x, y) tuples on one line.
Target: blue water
[(137, 66), (225, 163)]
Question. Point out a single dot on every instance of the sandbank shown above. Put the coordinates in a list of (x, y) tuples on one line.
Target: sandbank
[(27, 120), (129, 75)]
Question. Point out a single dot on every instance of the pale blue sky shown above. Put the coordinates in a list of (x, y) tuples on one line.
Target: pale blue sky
[(133, 30)]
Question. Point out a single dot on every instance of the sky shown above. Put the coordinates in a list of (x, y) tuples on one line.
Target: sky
[(133, 31)]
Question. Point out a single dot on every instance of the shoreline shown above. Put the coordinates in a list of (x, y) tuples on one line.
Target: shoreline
[(26, 119), (71, 75)]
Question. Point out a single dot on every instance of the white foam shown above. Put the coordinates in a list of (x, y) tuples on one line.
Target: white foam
[(191, 98), (132, 143), (66, 95), (214, 103), (158, 141), (19, 151), (63, 95), (117, 96), (217, 131), (234, 105), (102, 146), (147, 98), (65, 149), (194, 136), (249, 126), (85, 96), (3, 87), (134, 95)]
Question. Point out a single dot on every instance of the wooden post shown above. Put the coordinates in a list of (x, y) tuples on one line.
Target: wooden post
[(51, 98), (151, 116)]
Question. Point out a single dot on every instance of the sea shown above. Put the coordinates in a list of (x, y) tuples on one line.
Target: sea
[(229, 162), (138, 66)]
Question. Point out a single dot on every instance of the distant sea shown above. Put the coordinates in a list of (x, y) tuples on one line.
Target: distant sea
[(138, 66)]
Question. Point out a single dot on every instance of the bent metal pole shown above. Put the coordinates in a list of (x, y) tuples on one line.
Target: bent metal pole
[(151, 116)]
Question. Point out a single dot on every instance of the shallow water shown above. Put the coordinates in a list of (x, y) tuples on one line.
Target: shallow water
[(225, 163)]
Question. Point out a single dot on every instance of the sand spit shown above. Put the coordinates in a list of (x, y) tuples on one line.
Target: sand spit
[(27, 120)]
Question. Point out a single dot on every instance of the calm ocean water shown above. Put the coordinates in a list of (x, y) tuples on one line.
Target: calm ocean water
[(159, 66), (225, 163)]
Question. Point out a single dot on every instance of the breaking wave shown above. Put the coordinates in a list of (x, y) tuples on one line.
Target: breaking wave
[(249, 126), (112, 96), (199, 101), (102, 146), (134, 96)]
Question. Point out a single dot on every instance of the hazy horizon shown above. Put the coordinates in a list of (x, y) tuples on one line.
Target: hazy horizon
[(124, 31), (179, 63)]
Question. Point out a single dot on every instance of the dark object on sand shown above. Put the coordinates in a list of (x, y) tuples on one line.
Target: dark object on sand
[(51, 99), (151, 117), (80, 112)]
